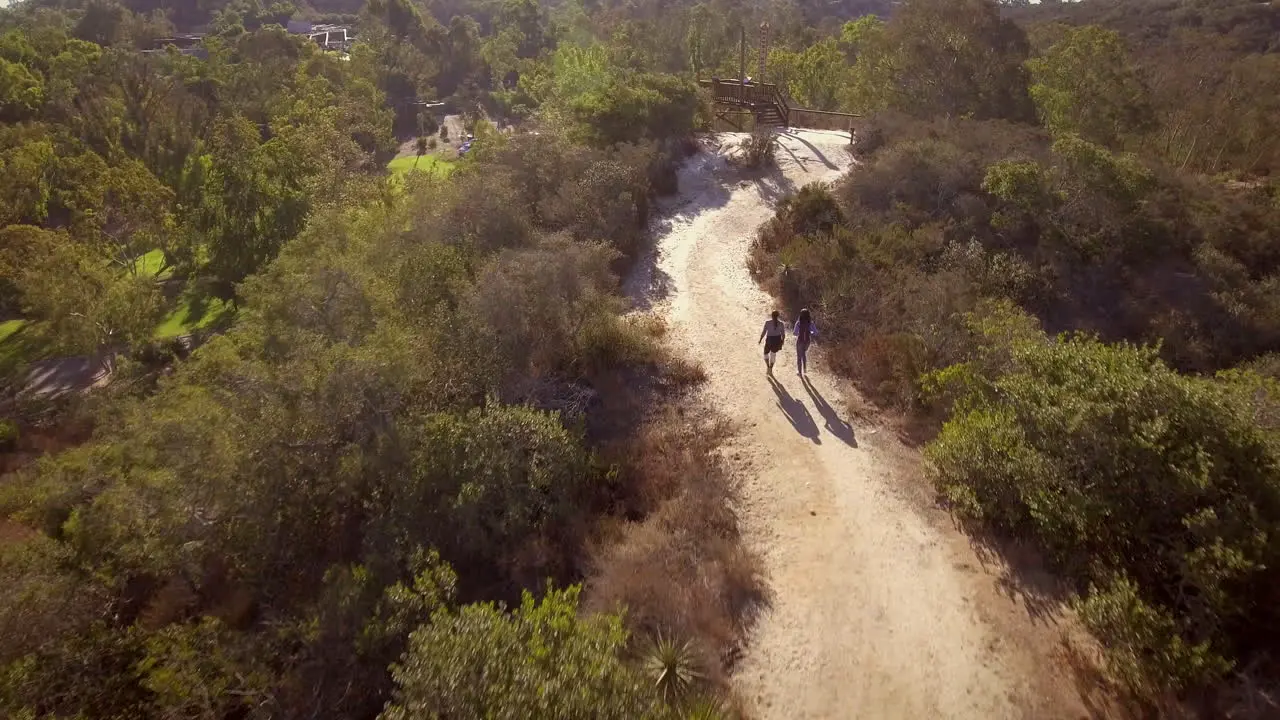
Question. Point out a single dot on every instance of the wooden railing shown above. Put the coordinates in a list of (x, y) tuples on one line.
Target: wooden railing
[(753, 95)]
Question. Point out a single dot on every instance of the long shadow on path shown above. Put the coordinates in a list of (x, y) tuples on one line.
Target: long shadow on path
[(831, 419), (795, 411), (813, 148)]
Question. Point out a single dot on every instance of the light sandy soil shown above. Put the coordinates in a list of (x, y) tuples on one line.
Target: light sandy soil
[(59, 376), (880, 609)]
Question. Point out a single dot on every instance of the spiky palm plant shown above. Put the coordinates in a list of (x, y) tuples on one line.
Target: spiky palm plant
[(673, 666)]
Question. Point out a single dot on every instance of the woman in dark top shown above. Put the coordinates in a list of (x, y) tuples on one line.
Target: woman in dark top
[(773, 334), (805, 331)]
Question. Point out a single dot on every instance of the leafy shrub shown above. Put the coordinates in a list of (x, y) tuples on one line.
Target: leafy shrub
[(624, 106), (1145, 642), (203, 668), (758, 149), (540, 661), (594, 195), (8, 434), (810, 211), (540, 301), (1121, 468), (606, 341), (494, 481), (867, 141)]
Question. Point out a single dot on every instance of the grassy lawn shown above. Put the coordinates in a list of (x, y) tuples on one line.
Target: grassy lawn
[(191, 314), (149, 265), (21, 342), (9, 327), (24, 341), (426, 163)]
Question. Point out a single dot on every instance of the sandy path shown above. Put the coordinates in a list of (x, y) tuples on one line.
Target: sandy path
[(879, 610)]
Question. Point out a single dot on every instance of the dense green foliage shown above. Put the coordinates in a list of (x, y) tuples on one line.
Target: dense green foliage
[(542, 661), (1208, 72), (428, 403), (1050, 181), (402, 377), (110, 155), (1158, 488)]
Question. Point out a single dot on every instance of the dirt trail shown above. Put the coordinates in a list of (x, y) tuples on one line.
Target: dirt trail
[(879, 610)]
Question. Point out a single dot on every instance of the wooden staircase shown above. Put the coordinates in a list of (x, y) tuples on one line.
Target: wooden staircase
[(772, 115), (763, 100)]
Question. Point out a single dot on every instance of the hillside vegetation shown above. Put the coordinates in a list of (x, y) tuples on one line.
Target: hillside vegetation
[(1058, 257), (425, 465), (422, 463)]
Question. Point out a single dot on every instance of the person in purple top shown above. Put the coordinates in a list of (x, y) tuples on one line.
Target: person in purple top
[(805, 331)]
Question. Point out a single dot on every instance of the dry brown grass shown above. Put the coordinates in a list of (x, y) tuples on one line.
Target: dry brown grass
[(681, 570)]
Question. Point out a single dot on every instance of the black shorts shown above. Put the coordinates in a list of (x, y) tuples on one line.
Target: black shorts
[(772, 343)]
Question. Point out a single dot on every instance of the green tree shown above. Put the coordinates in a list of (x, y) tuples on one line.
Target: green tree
[(604, 105), (203, 670), (500, 53), (102, 23), (942, 58), (816, 76), (25, 182), (857, 34), (134, 215), (1085, 84), (247, 214), (21, 92), (75, 65), (86, 301), (531, 21)]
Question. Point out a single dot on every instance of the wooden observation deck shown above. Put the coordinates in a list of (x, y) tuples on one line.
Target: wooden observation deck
[(768, 106)]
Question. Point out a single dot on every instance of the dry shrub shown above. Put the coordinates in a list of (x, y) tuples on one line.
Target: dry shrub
[(758, 150), (1252, 694), (681, 371), (549, 306), (634, 342), (763, 264), (682, 572), (887, 367), (867, 140)]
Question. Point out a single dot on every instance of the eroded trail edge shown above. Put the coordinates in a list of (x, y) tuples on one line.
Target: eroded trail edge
[(880, 609)]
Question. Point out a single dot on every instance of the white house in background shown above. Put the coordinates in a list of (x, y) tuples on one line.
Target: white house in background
[(324, 35)]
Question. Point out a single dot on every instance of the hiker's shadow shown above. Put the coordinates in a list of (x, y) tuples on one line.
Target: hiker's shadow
[(832, 421), (795, 411)]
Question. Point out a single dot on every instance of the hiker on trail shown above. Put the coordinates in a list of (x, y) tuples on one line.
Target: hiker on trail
[(773, 335), (805, 331)]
